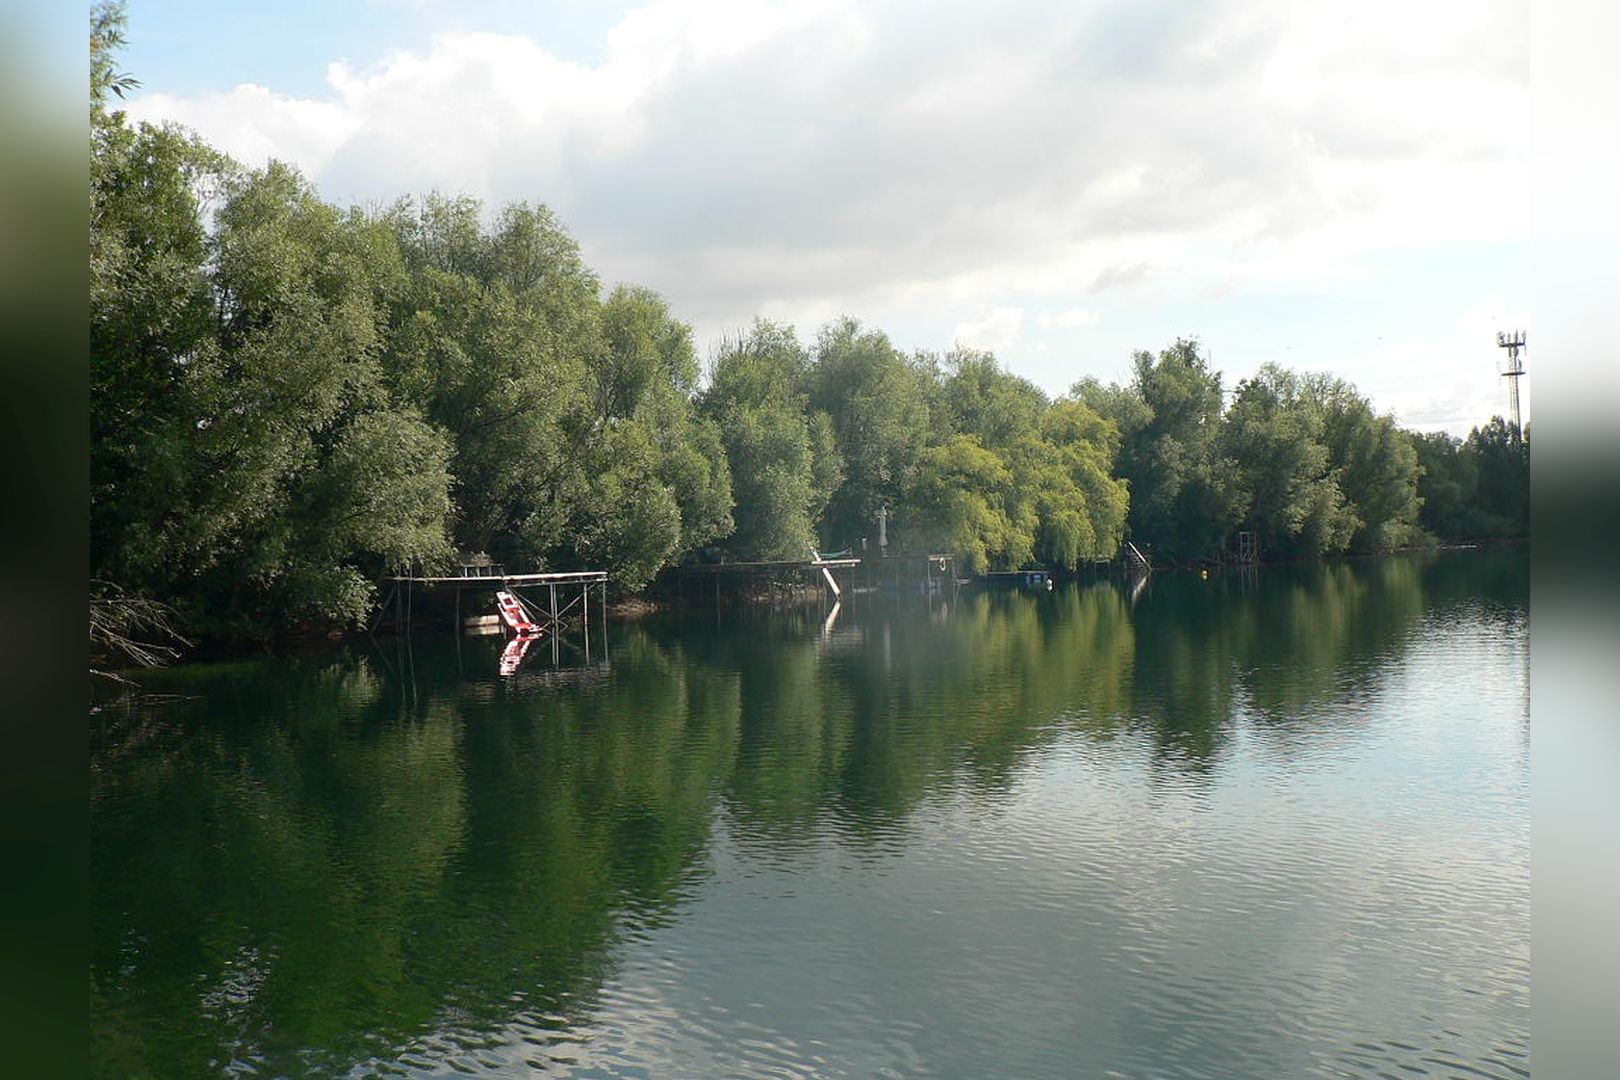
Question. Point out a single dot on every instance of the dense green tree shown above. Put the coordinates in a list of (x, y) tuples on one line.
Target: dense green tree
[(982, 399), (649, 353), (769, 448), (1373, 460), (1185, 497), (572, 414), (1303, 461), (1501, 456), (293, 419), (962, 498), (1036, 477), (649, 377), (626, 519), (878, 401), (1085, 507), (1275, 437), (234, 369), (783, 459), (1051, 506), (1447, 483), (152, 318), (492, 337), (289, 399), (695, 469)]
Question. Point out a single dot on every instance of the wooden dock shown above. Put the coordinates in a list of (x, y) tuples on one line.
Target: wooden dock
[(773, 571), (552, 596), (557, 605), (1018, 579), (924, 571), (705, 569), (495, 580)]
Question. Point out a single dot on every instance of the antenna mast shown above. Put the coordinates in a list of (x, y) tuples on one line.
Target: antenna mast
[(1514, 343)]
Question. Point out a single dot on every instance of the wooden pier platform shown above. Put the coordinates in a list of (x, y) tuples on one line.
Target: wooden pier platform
[(842, 574), (493, 580), (550, 595)]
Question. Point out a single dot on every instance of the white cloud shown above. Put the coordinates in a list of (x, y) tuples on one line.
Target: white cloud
[(803, 158), (1445, 380), (1067, 320), (253, 124), (997, 332)]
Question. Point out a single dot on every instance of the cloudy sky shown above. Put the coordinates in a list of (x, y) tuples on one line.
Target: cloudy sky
[(1328, 185)]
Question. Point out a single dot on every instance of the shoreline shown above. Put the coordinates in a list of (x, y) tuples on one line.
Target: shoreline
[(309, 640)]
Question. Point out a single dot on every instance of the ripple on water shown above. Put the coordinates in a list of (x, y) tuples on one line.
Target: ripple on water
[(1209, 843)]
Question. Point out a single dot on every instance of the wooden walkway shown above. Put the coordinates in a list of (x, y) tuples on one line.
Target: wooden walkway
[(550, 595), (705, 569), (575, 577), (771, 570), (924, 571), (557, 603)]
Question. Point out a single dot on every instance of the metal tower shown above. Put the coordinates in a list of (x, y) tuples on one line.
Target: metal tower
[(1514, 343)]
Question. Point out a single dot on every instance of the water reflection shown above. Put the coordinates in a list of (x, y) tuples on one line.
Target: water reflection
[(356, 864)]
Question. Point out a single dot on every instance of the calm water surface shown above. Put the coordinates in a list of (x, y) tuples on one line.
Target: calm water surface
[(1265, 825)]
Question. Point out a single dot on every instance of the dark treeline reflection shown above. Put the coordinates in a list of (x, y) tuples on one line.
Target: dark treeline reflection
[(1273, 641), (312, 864)]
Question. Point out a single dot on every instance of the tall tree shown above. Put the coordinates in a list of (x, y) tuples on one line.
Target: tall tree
[(647, 379), (963, 498), (1375, 463), (492, 337), (783, 460), (981, 398), (1060, 503), (878, 401), (1447, 483), (1274, 437), (1084, 508), (1501, 456), (1185, 496), (239, 418), (307, 474)]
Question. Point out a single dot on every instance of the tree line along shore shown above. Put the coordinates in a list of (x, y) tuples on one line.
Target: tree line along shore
[(290, 400)]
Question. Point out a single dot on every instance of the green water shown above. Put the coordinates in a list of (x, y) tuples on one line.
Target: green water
[(1264, 825)]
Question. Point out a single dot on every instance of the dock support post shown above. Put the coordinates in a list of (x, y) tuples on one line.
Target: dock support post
[(393, 595)]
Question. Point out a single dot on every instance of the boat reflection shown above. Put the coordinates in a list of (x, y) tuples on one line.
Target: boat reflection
[(516, 649)]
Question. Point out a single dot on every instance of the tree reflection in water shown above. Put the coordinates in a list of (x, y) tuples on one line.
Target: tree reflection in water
[(317, 863)]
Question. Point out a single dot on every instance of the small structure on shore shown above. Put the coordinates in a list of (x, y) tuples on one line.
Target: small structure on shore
[(838, 574), (771, 574), (532, 605), (1019, 579)]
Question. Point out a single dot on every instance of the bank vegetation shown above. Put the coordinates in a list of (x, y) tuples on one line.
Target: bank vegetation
[(290, 400)]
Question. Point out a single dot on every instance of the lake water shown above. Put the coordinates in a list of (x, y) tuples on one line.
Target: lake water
[(1271, 824)]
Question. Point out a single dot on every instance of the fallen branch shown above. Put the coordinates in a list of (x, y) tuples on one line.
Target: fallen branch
[(135, 629)]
